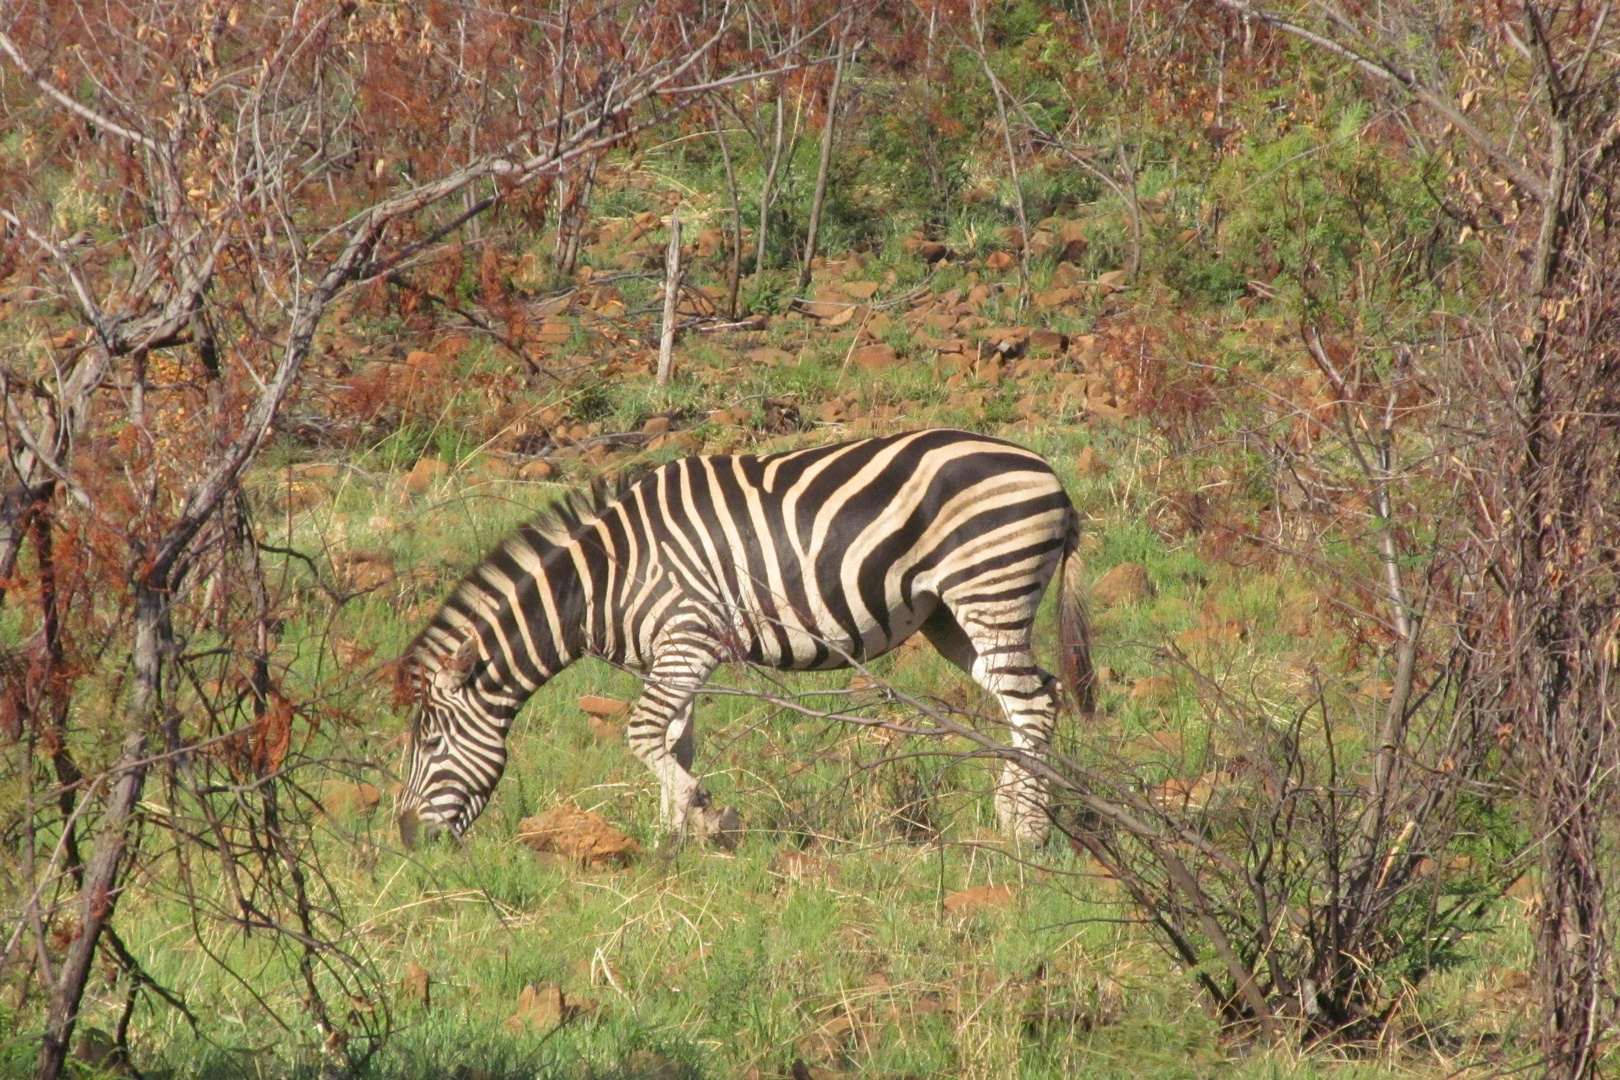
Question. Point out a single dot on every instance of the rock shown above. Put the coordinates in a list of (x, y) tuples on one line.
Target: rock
[(537, 470), (848, 314), (683, 443), (781, 417), (860, 290), (990, 370), (802, 866), (1041, 244), (879, 357), (708, 242), (423, 474), (1156, 744), (1035, 368), (1179, 793), (602, 731), (1213, 631), (1113, 281), (604, 706), (340, 798), (428, 363), (1153, 690), (656, 425), (769, 356), (801, 1070), (545, 309), (540, 1008), (553, 333), (830, 300), (646, 1065), (363, 571), (1073, 238), (1048, 341), (1126, 583), (94, 1047), (1089, 464), (980, 898), (417, 985), (999, 261), (1068, 276), (320, 471), (1008, 341), (977, 296), (578, 834), (1084, 349), (496, 469), (932, 251), (1052, 298), (296, 498)]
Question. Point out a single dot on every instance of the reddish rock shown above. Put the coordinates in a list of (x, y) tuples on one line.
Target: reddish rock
[(980, 898), (1048, 341), (1127, 583), (578, 834), (879, 357), (423, 474)]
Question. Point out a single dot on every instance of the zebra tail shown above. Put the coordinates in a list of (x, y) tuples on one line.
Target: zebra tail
[(1074, 628)]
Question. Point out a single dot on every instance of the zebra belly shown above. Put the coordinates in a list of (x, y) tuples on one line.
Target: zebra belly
[(785, 642)]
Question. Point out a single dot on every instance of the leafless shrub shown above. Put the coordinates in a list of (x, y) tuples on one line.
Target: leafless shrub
[(177, 225)]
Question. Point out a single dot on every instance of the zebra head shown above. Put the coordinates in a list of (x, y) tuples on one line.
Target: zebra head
[(457, 749)]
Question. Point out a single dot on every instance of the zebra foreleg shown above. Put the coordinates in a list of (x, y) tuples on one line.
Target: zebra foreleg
[(678, 738), (661, 735)]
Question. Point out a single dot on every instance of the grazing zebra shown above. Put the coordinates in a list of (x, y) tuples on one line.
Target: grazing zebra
[(804, 560)]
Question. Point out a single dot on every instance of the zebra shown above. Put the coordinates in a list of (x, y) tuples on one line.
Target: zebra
[(807, 560)]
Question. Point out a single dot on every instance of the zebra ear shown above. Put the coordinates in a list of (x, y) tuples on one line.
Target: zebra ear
[(453, 673)]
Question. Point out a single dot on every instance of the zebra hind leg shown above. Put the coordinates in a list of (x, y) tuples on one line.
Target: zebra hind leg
[(1004, 664)]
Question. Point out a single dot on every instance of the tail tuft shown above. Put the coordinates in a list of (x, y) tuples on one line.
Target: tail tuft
[(1074, 628)]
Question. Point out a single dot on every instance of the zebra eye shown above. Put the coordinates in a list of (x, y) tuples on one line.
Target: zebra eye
[(436, 744)]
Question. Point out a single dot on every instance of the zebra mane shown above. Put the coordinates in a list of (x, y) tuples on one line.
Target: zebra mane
[(555, 524)]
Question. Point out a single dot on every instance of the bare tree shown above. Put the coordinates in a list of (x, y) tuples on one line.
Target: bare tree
[(1545, 415), (829, 135), (237, 173)]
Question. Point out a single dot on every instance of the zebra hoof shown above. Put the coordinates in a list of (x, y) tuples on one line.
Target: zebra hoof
[(720, 826)]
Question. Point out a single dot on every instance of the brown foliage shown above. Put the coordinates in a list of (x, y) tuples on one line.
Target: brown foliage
[(197, 185)]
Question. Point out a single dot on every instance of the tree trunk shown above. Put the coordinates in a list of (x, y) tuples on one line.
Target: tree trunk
[(767, 187), (1012, 159), (98, 896), (672, 292), (734, 273), (829, 132)]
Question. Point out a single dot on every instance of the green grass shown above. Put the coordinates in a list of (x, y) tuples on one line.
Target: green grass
[(697, 962)]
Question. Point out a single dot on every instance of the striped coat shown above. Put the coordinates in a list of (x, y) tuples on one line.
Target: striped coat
[(805, 560)]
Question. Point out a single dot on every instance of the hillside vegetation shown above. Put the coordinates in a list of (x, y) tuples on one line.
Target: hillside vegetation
[(1291, 318)]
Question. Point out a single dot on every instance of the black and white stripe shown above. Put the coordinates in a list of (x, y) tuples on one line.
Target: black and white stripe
[(803, 560)]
